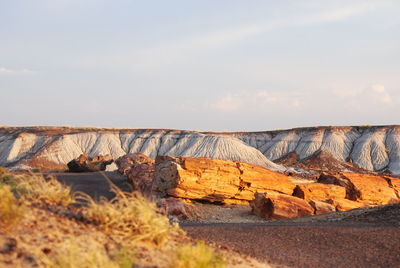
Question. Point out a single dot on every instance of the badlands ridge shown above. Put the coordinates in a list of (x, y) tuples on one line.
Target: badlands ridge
[(375, 148)]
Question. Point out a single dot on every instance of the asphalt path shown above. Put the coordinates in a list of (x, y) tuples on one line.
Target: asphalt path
[(95, 184)]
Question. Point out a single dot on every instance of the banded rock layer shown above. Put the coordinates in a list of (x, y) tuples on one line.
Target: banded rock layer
[(370, 148)]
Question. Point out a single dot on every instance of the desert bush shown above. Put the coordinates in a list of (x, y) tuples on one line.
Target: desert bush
[(3, 171), (198, 255), (130, 215), (6, 178), (11, 209), (36, 170), (37, 188), (89, 253), (124, 257)]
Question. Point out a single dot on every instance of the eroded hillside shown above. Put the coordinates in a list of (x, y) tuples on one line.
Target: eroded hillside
[(371, 148)]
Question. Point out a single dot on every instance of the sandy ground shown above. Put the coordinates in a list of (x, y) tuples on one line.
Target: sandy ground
[(359, 238)]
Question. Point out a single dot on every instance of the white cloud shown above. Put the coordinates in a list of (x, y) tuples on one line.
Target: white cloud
[(229, 103), (6, 71), (157, 57), (379, 92), (256, 101), (368, 99)]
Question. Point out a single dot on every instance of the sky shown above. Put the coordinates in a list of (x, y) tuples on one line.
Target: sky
[(226, 65)]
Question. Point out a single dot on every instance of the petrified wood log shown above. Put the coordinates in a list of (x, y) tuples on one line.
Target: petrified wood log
[(216, 180), (279, 206), (86, 164), (319, 191)]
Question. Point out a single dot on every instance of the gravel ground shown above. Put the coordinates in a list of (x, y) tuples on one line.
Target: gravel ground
[(307, 246)]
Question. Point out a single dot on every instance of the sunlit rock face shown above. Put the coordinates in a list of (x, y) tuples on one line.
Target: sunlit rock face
[(370, 148), (216, 180)]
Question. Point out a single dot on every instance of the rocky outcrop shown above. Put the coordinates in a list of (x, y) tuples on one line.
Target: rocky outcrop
[(84, 163), (273, 195), (279, 206), (370, 148), (365, 188), (216, 180), (331, 148), (57, 146)]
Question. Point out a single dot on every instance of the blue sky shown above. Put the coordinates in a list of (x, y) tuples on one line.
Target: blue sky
[(205, 65)]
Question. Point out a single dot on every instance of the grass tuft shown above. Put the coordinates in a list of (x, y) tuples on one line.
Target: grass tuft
[(89, 253), (11, 209), (130, 215), (37, 188), (34, 187), (197, 256)]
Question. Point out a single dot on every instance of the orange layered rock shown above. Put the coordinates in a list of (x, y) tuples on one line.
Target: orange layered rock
[(364, 187), (346, 204), (321, 207), (279, 206), (319, 191), (216, 180), (394, 183), (373, 189)]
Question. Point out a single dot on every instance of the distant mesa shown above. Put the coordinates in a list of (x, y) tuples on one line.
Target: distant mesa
[(355, 149)]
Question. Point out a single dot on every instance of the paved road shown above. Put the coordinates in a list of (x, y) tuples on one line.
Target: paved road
[(93, 183), (307, 246)]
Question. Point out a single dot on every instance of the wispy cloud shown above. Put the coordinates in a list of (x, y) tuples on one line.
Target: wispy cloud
[(370, 98), (256, 101), (7, 71), (181, 50)]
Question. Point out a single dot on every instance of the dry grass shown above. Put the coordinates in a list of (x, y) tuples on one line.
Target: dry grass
[(125, 220), (197, 256), (131, 215), (37, 188), (34, 187), (11, 209), (88, 253)]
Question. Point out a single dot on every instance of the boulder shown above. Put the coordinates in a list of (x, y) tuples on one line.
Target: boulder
[(279, 206), (338, 179), (367, 188), (319, 191), (372, 189), (216, 180), (321, 207), (175, 207), (86, 164), (126, 162), (139, 170), (345, 204)]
